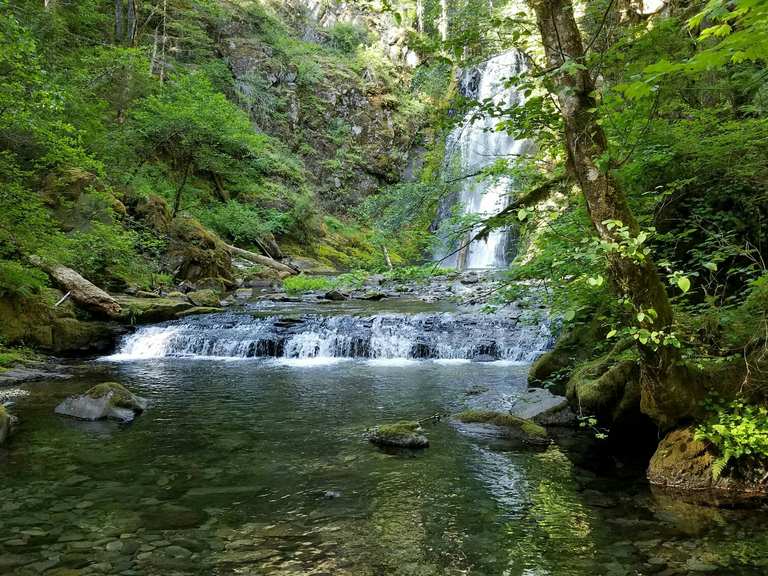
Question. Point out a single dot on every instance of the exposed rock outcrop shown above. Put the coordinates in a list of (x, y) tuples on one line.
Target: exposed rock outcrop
[(107, 400)]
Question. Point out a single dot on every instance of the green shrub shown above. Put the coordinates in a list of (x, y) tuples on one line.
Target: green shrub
[(301, 283), (417, 273), (347, 37), (242, 223), (17, 280), (737, 430)]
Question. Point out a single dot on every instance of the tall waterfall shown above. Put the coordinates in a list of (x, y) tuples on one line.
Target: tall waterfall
[(475, 144), (442, 336)]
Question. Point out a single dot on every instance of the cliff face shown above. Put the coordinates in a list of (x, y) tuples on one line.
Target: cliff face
[(332, 83)]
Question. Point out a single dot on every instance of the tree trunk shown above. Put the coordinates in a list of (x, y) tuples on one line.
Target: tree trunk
[(662, 396), (119, 22), (263, 260), (420, 16), (442, 24), (83, 292), (131, 27), (180, 190)]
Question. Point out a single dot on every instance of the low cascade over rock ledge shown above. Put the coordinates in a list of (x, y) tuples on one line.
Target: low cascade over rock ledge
[(387, 336)]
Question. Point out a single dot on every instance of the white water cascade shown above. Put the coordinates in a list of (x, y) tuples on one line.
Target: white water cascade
[(425, 336), (474, 145)]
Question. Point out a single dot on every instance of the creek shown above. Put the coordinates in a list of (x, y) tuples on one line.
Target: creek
[(252, 460)]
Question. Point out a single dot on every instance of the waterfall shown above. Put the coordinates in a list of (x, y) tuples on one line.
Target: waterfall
[(474, 145), (438, 336)]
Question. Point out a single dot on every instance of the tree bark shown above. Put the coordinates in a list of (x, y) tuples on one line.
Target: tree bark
[(586, 143), (442, 24), (263, 260), (83, 292), (119, 22), (131, 26)]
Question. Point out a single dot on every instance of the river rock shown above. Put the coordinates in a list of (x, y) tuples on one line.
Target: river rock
[(107, 400), (398, 435), (372, 296), (7, 424), (685, 464), (335, 295), (207, 298), (544, 408)]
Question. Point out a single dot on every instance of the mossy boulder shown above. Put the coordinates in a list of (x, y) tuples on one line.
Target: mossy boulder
[(683, 463), (402, 434), (106, 400), (196, 253), (7, 424), (137, 310), (511, 425), (204, 298)]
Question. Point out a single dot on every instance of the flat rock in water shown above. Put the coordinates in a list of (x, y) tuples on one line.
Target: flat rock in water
[(373, 296), (537, 401), (108, 400)]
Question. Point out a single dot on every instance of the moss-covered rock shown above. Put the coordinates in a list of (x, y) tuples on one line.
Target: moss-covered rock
[(204, 298), (106, 400), (142, 310), (196, 253), (199, 310), (530, 430), (402, 434), (683, 463)]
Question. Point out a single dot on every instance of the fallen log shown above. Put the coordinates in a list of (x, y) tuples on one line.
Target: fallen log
[(84, 293), (263, 260)]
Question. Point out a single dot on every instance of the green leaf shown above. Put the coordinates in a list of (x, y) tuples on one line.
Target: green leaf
[(610, 334), (684, 284), (569, 315), (522, 214)]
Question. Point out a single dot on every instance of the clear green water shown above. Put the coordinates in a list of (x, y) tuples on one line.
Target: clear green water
[(251, 467)]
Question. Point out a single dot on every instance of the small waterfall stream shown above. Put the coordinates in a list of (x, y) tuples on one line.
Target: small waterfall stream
[(474, 145), (443, 336)]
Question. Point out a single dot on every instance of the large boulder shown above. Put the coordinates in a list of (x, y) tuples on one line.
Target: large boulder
[(196, 253), (685, 464), (544, 408), (206, 297), (398, 435), (107, 400), (7, 424)]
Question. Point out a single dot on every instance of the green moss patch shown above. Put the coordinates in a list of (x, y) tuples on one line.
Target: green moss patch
[(502, 419), (403, 434), (121, 397)]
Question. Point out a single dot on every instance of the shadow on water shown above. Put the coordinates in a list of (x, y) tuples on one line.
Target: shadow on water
[(261, 467)]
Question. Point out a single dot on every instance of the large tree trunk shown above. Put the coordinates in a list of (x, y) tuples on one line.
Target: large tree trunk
[(283, 269), (664, 395), (83, 292)]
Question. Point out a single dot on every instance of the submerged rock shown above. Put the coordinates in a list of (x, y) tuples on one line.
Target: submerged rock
[(372, 296), (399, 435), (515, 426), (107, 400), (7, 424), (685, 464)]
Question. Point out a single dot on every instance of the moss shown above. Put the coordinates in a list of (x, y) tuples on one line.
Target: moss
[(121, 397), (502, 419), (397, 430), (3, 412), (403, 434)]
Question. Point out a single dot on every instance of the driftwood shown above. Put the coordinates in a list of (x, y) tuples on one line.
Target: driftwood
[(263, 260), (83, 292)]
